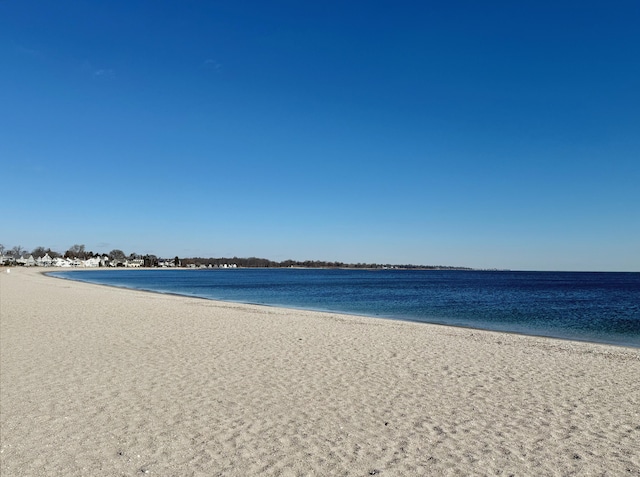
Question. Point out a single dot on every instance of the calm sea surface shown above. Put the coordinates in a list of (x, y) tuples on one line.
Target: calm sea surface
[(598, 307)]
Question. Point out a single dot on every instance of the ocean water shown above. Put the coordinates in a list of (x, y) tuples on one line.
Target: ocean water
[(596, 307)]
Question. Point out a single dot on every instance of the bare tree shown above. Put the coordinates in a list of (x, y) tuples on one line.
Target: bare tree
[(76, 251), (150, 261), (39, 252), (17, 251), (117, 254)]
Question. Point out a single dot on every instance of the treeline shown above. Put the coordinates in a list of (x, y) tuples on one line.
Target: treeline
[(79, 251), (75, 251), (255, 262)]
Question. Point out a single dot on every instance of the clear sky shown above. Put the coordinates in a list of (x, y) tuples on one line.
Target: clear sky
[(485, 134)]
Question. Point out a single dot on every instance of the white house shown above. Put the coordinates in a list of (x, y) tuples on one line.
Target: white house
[(45, 261), (62, 262), (26, 262), (92, 262), (6, 259)]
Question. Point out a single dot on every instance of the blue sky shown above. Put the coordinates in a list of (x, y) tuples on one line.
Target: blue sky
[(455, 133)]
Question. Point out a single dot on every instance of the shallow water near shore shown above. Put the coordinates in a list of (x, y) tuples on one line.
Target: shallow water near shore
[(595, 307)]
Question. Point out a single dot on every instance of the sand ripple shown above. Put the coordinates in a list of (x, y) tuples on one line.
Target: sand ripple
[(107, 382)]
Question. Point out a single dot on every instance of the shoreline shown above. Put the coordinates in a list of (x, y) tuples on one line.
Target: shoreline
[(319, 310), (115, 381)]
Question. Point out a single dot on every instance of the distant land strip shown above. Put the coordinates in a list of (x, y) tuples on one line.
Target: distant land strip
[(78, 256), (255, 262)]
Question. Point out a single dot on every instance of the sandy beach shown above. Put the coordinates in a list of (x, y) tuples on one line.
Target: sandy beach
[(109, 382)]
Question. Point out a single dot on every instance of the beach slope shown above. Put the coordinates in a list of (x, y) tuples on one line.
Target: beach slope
[(110, 382)]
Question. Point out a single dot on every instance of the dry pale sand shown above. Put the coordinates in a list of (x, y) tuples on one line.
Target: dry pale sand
[(98, 381)]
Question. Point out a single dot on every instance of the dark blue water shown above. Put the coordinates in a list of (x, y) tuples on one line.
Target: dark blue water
[(598, 307)]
